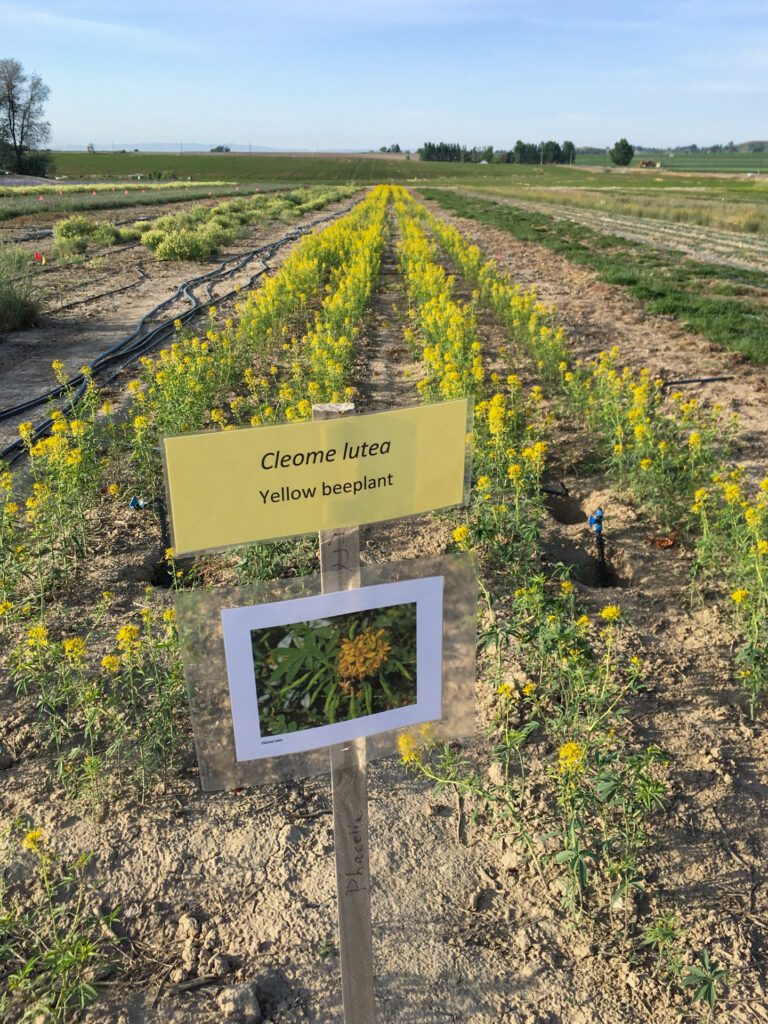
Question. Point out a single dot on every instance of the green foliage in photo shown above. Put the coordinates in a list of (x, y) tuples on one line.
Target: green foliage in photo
[(310, 674)]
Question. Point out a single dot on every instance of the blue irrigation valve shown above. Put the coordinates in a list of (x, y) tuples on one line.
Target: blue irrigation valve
[(596, 521), (136, 503)]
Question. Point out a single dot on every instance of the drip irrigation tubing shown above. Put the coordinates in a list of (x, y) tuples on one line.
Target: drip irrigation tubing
[(136, 344), (695, 380), (101, 295)]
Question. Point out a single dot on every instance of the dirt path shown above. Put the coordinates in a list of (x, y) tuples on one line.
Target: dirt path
[(708, 245)]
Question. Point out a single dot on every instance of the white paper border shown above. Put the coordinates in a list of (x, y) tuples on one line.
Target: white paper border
[(237, 624)]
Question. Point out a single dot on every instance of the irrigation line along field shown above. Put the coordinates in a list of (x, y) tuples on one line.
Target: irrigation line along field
[(136, 344)]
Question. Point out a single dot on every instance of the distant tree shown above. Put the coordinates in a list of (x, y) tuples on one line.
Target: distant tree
[(22, 101), (622, 153), (90, 148), (383, 149), (527, 152), (220, 149), (569, 153), (552, 153)]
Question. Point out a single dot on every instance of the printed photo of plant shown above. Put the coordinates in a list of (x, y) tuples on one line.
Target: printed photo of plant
[(316, 673)]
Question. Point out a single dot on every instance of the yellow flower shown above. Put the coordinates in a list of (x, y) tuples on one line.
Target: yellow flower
[(409, 748), (506, 690), (140, 423), (751, 516), (738, 595), (113, 490), (514, 472), (762, 547), (37, 636), (645, 464), (582, 622), (611, 613), (32, 840), (74, 649), (169, 615), (571, 758), (5, 607), (694, 439), (566, 587), (111, 663), (127, 637), (529, 689), (460, 534), (363, 655)]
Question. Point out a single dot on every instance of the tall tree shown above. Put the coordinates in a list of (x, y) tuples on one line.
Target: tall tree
[(622, 153), (22, 102)]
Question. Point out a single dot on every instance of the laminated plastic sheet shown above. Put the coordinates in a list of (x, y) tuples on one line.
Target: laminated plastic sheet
[(201, 637)]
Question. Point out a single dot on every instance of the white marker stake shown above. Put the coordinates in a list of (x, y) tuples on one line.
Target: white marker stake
[(340, 570)]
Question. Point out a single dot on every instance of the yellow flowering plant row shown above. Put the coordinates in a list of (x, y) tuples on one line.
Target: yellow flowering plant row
[(42, 534), (733, 547), (231, 377), (92, 705), (667, 450), (600, 793), (447, 331), (111, 721)]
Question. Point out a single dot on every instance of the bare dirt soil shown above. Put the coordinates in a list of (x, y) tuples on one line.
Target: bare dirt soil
[(231, 896)]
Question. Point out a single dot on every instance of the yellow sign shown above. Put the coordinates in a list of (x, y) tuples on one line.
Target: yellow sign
[(239, 486)]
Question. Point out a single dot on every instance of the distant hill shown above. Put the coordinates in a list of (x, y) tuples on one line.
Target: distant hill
[(165, 147)]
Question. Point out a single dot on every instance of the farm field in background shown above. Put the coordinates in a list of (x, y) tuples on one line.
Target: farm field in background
[(366, 168), (26, 205), (711, 163), (607, 823)]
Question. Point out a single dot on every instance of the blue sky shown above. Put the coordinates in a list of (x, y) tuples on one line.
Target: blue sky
[(325, 74)]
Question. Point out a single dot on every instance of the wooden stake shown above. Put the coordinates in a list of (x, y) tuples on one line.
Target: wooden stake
[(340, 570)]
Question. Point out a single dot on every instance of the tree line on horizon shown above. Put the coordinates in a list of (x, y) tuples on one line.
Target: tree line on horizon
[(550, 152)]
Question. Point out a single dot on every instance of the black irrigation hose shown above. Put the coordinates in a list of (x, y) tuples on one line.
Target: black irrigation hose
[(135, 345), (35, 235), (100, 295), (695, 380)]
